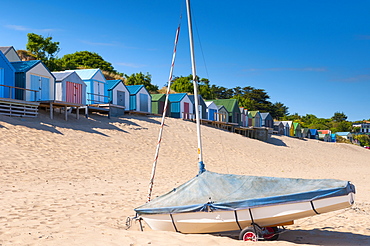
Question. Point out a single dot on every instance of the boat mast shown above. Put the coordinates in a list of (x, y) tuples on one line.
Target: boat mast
[(195, 84)]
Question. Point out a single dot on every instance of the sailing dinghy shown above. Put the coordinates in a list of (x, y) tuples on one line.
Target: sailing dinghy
[(255, 205)]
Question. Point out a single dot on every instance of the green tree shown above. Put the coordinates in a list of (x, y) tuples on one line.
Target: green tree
[(220, 92), (44, 49), (339, 117), (278, 110), (86, 59), (342, 126), (363, 139), (183, 84), (142, 79)]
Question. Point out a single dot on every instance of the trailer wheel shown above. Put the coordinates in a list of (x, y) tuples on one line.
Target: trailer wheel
[(270, 233), (248, 234)]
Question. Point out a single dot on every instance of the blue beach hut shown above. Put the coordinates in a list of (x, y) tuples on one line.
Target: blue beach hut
[(33, 75), (140, 98), (313, 134), (181, 106), (7, 77), (118, 93)]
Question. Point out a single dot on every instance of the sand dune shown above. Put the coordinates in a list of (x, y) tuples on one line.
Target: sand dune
[(74, 182)]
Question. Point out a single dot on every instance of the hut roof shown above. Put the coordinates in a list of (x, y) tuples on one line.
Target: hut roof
[(24, 66), (157, 97), (59, 76), (276, 123), (191, 97), (229, 104), (289, 122), (253, 113), (220, 107), (86, 73), (296, 125), (313, 132), (265, 115), (134, 89), (113, 83), (324, 131), (342, 133), (176, 97), (5, 49)]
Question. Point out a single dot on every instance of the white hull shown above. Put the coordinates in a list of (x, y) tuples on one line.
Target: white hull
[(207, 222)]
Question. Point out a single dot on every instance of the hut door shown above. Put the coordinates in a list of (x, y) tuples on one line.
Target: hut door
[(121, 98), (211, 115), (74, 92), (35, 85), (186, 110), (143, 102), (132, 102), (45, 88)]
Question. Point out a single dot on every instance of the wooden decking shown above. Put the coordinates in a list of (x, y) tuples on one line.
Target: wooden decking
[(53, 104), (107, 108)]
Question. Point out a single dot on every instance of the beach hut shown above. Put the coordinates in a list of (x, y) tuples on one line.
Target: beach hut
[(267, 120), (297, 130), (7, 78), (140, 99), (69, 88), (33, 75), (305, 132), (118, 93), (232, 107), (346, 135), (243, 116), (212, 111), (313, 134), (246, 117), (223, 114), (279, 128), (202, 107), (10, 53), (181, 106), (289, 130), (325, 135), (158, 101), (96, 85), (256, 118)]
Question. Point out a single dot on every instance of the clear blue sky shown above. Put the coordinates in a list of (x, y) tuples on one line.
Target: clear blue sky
[(313, 56)]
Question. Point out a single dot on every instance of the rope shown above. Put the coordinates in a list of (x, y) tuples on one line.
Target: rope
[(151, 183)]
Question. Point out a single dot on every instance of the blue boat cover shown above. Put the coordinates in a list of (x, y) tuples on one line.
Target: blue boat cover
[(211, 191)]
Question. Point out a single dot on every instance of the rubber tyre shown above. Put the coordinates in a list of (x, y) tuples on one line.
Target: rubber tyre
[(248, 234)]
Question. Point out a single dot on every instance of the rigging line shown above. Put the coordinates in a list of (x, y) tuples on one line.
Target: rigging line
[(201, 48), (154, 166), (208, 77)]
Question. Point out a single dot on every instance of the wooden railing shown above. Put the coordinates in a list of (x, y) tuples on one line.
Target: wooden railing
[(93, 101), (10, 91)]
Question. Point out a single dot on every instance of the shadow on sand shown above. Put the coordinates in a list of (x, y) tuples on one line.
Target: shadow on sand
[(276, 141), (314, 237), (93, 124)]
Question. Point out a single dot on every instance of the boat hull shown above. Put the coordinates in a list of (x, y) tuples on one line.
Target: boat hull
[(217, 221)]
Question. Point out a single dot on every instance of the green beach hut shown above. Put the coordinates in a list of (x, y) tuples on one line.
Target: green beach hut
[(232, 107), (158, 101)]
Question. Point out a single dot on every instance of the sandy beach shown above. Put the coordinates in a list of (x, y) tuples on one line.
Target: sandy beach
[(75, 182)]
